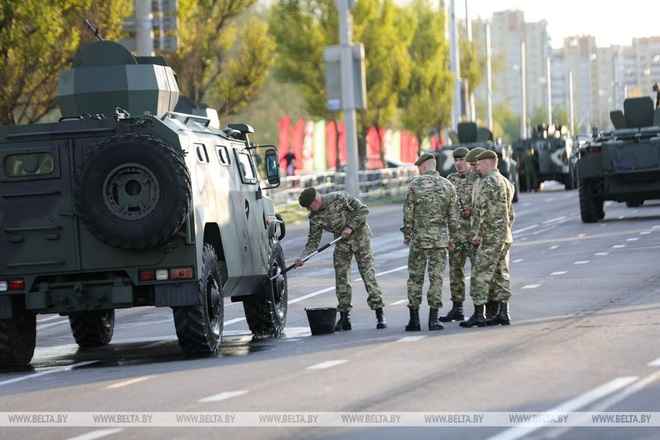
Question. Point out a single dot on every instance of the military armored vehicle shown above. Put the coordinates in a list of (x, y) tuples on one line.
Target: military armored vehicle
[(470, 136), (552, 149), (125, 203), (622, 165)]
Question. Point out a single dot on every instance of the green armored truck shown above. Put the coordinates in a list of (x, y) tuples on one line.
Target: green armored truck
[(126, 203), (470, 136), (622, 165)]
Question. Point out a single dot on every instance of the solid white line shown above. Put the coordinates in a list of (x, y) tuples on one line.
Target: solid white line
[(43, 373), (128, 382), (327, 364), (223, 396), (655, 363), (234, 321), (518, 231), (52, 324), (100, 433), (396, 303), (554, 220), (570, 405)]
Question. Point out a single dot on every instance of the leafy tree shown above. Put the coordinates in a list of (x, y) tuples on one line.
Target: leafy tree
[(38, 39), (217, 63), (428, 99)]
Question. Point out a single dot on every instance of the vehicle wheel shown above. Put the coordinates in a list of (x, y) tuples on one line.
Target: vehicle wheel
[(591, 207), (266, 312), (93, 329), (18, 337), (133, 191), (199, 328)]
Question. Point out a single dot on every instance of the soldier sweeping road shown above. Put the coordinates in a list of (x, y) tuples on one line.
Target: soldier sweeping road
[(344, 216)]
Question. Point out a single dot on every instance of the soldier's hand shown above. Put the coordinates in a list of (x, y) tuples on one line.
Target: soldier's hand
[(346, 233), (451, 246), (299, 262), (476, 240), (466, 210), (406, 241)]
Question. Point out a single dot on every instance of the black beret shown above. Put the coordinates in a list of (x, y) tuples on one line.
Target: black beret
[(306, 197), (488, 154), (423, 158), (460, 152), (472, 155)]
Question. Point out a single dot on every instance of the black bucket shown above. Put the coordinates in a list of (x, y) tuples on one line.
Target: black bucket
[(322, 320)]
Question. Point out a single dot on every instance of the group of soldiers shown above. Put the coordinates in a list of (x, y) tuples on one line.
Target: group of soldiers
[(467, 216)]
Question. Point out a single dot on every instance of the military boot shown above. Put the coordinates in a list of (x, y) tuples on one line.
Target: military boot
[(492, 307), (434, 323), (478, 318), (455, 314), (344, 322), (380, 318), (502, 317), (413, 324)]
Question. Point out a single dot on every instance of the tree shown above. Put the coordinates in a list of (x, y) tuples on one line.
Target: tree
[(216, 63), (428, 99), (38, 39)]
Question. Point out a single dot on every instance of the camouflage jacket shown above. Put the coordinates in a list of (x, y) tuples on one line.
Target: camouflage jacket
[(464, 185), (339, 210), (430, 212), (493, 208)]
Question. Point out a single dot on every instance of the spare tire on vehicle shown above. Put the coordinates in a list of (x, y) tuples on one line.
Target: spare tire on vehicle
[(133, 191)]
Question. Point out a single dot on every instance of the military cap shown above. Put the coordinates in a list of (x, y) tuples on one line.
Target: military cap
[(307, 196), (460, 152), (423, 158), (488, 154), (472, 155)]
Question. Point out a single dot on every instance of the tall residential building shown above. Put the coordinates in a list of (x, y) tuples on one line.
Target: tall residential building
[(601, 78)]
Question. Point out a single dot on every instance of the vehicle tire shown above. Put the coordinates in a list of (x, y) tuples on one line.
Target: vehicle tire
[(133, 191), (18, 336), (266, 312), (92, 329), (199, 328), (591, 207)]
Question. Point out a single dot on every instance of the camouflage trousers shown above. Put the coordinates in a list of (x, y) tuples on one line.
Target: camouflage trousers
[(418, 258), (457, 258), (360, 247), (491, 273)]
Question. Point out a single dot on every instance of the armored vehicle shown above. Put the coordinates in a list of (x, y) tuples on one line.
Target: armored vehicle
[(552, 148), (622, 165), (125, 203), (470, 136)]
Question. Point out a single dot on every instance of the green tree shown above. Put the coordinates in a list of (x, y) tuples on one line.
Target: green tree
[(428, 99), (223, 56), (38, 39)]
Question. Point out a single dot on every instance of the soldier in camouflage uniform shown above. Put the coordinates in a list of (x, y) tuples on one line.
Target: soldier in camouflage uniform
[(345, 216), (463, 180), (494, 218), (429, 226)]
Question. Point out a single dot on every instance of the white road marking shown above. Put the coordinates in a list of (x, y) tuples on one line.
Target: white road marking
[(327, 364), (396, 303), (582, 262), (234, 321), (223, 396), (43, 373), (411, 338), (632, 239), (531, 286), (561, 272), (618, 246), (602, 254), (100, 433), (655, 363), (554, 247), (570, 405)]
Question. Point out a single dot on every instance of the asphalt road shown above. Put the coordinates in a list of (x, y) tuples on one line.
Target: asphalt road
[(583, 340)]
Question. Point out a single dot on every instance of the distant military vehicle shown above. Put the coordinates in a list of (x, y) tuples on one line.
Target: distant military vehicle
[(470, 136), (622, 165), (553, 148), (124, 203)]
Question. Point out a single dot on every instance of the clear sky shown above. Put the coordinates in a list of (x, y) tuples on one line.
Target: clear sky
[(611, 22)]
